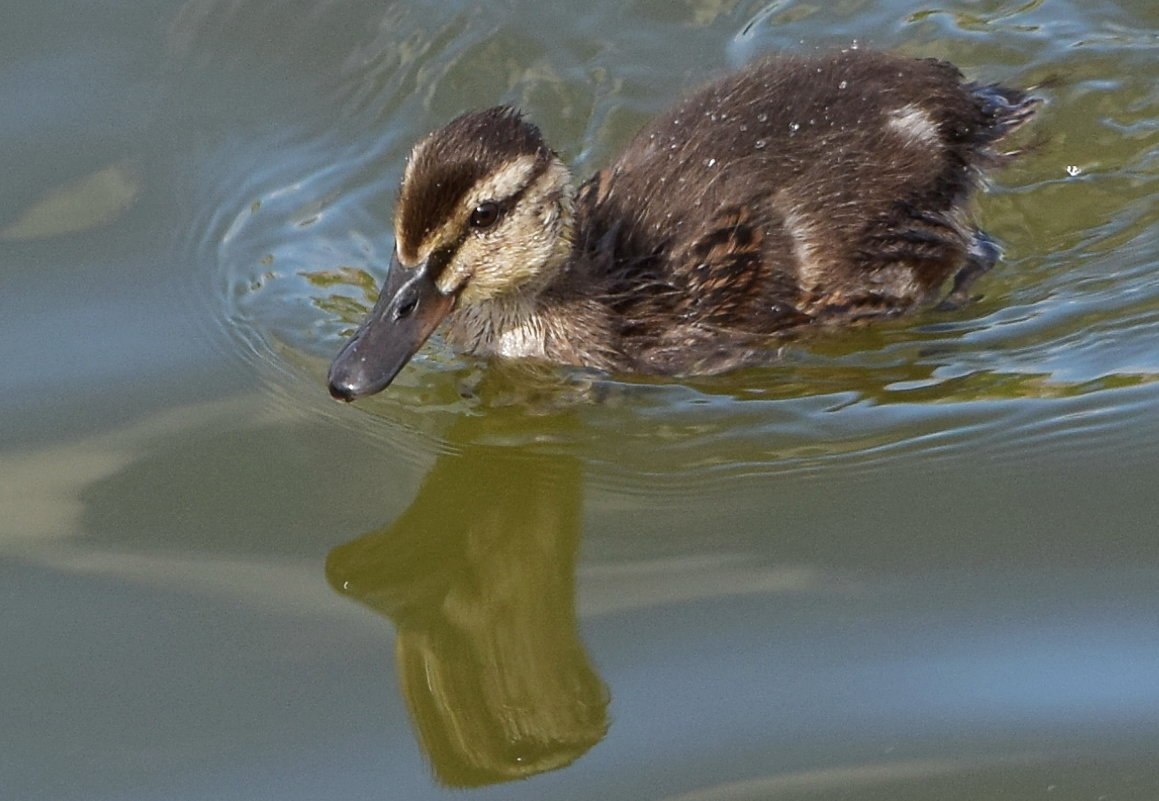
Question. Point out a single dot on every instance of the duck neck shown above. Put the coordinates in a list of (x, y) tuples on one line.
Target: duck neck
[(511, 325)]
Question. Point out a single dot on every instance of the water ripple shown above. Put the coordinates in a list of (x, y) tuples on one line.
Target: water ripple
[(1060, 353)]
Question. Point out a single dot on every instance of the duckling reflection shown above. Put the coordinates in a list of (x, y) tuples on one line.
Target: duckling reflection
[(480, 586)]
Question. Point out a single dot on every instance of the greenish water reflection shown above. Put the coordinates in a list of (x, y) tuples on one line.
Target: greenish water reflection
[(478, 576)]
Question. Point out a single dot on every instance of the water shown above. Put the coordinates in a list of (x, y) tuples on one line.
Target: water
[(916, 560)]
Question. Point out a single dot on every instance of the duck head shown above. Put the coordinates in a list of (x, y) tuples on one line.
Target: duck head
[(485, 214)]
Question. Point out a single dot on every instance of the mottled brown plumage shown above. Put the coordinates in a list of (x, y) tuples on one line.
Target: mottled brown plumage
[(799, 191)]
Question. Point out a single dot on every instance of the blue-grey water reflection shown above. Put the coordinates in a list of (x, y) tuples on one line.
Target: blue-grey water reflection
[(916, 560)]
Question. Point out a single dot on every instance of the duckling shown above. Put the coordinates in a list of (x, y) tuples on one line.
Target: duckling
[(800, 191)]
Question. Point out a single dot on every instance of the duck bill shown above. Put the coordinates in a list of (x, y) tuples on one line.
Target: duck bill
[(406, 313)]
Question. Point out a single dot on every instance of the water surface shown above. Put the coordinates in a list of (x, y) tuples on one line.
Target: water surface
[(916, 560)]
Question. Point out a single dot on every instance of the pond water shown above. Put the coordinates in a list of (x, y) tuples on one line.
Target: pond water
[(916, 560)]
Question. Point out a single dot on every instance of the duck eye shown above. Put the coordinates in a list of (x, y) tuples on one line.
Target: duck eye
[(485, 215)]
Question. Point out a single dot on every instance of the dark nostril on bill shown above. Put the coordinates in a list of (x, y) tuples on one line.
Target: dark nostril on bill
[(405, 308)]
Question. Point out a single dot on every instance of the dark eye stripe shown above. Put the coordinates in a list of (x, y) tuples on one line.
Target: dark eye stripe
[(489, 212), (480, 220), (439, 259)]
